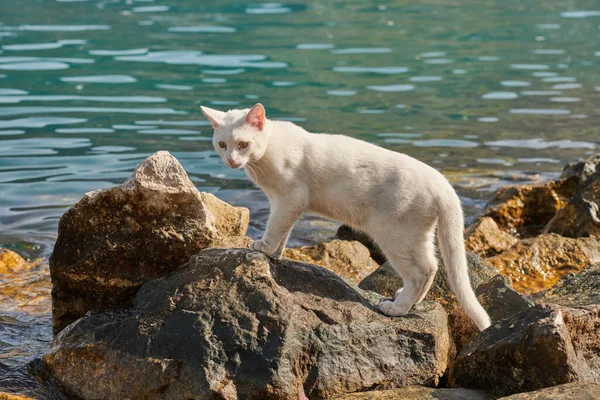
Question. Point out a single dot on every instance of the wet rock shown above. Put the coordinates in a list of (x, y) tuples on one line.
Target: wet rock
[(536, 264), (235, 324), (346, 232), (348, 259), (579, 289), (418, 393), (526, 209), (113, 240), (581, 216), (11, 262), (568, 391), (22, 383), (542, 346), (24, 285), (485, 239)]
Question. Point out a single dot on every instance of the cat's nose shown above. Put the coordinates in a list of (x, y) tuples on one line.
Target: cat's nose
[(230, 161)]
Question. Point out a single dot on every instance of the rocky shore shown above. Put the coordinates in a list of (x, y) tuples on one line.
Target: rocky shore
[(155, 296)]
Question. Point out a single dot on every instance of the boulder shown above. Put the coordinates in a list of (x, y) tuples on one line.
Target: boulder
[(542, 346), (580, 289), (581, 216), (485, 239), (498, 298), (114, 240), (418, 393), (346, 232), (525, 209), (236, 324), (536, 264), (348, 259), (583, 172), (568, 391), (386, 281)]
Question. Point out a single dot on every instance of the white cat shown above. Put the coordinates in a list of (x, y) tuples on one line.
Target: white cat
[(396, 199)]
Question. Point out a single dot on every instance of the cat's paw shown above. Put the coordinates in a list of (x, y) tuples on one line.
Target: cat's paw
[(262, 246), (390, 309)]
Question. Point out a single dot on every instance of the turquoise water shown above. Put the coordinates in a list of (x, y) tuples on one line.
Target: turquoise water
[(488, 91)]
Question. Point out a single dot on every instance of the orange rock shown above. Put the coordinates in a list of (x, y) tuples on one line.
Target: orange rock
[(10, 261), (527, 208), (348, 259), (485, 239), (538, 263)]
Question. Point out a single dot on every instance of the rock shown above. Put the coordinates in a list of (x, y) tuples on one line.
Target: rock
[(542, 346), (11, 262), (114, 240), (580, 289), (236, 324), (568, 391), (485, 239), (24, 285), (538, 263), (346, 232), (498, 298), (386, 282), (418, 393), (581, 216), (349, 259), (583, 172), (526, 209), (22, 383)]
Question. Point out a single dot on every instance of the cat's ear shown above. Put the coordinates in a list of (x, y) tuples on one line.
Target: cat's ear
[(256, 116), (215, 117)]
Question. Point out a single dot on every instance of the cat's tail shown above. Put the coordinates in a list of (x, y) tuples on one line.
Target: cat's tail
[(450, 239)]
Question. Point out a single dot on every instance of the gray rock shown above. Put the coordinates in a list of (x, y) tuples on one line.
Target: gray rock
[(235, 324), (386, 282), (542, 346), (568, 391), (583, 172), (581, 216), (114, 240), (579, 289), (418, 393), (498, 298)]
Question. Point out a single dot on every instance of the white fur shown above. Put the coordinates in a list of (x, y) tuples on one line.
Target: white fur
[(396, 199)]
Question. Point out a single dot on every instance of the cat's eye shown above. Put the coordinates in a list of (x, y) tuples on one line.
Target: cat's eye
[(243, 145), (223, 145)]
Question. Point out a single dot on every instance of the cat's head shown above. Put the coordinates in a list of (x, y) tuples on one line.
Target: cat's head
[(239, 135)]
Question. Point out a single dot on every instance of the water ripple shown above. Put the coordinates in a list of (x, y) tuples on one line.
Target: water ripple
[(99, 79), (183, 57)]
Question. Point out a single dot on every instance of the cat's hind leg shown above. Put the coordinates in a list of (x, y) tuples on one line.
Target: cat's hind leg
[(428, 257), (413, 262)]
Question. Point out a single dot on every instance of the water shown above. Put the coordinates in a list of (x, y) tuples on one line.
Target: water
[(488, 91)]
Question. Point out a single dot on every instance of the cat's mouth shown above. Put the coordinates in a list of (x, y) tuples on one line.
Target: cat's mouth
[(235, 165)]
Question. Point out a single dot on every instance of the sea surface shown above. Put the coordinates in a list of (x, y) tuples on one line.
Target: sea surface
[(488, 91)]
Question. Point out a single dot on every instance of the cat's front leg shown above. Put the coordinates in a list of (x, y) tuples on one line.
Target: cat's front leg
[(284, 213)]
